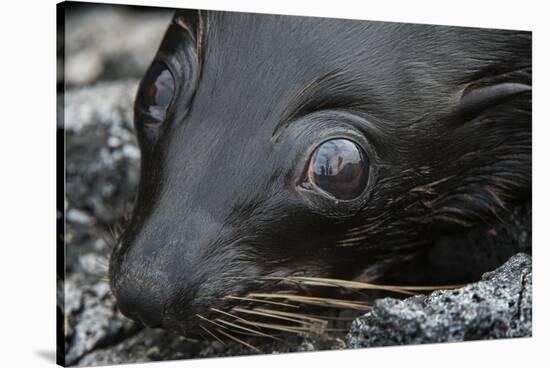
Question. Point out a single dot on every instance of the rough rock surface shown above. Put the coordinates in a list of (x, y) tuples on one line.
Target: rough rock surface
[(102, 165), (498, 306), (98, 123), (102, 171), (156, 345), (111, 42), (91, 318)]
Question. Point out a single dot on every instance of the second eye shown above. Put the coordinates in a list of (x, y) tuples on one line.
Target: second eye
[(156, 91)]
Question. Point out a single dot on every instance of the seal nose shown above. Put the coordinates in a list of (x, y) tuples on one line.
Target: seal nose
[(140, 303)]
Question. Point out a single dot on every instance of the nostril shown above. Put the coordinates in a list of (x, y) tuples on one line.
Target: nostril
[(142, 305), (150, 314)]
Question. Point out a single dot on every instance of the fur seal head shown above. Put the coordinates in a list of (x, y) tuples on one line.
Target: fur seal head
[(280, 145)]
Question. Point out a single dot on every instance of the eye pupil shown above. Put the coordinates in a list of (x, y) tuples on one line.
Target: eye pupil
[(340, 168), (157, 90)]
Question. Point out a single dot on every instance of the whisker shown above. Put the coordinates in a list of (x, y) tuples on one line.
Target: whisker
[(271, 315), (101, 261), (319, 281), (212, 334), (251, 331), (254, 332), (351, 240), (261, 301), (107, 242), (325, 302), (113, 233), (226, 313), (331, 318), (287, 292), (118, 230), (203, 338), (290, 314), (239, 341), (297, 330), (210, 321), (126, 213), (430, 287), (254, 335)]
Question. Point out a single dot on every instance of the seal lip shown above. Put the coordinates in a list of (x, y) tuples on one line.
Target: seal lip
[(335, 124)]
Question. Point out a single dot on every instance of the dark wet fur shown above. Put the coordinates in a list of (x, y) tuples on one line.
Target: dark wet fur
[(444, 113)]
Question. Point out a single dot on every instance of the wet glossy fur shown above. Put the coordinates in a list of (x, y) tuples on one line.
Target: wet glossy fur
[(444, 114)]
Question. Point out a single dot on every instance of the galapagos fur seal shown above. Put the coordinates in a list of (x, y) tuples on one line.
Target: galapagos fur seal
[(281, 145)]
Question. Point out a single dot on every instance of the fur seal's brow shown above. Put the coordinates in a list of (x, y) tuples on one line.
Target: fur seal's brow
[(336, 90), (301, 100)]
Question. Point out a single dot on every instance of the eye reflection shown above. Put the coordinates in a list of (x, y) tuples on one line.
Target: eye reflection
[(340, 168)]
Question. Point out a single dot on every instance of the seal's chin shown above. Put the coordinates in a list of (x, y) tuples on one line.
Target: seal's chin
[(180, 328), (147, 318), (191, 323)]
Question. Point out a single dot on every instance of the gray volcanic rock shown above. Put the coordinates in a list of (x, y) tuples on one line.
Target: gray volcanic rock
[(102, 171), (102, 168), (498, 306), (91, 317), (156, 345), (146, 346), (102, 165), (110, 41)]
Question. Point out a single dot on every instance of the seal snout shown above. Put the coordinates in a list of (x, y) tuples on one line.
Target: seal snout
[(143, 304), (138, 288)]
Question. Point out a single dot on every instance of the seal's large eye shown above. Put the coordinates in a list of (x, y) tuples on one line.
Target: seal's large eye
[(340, 168), (156, 91)]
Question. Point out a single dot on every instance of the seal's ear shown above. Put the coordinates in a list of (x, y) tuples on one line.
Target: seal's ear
[(481, 95)]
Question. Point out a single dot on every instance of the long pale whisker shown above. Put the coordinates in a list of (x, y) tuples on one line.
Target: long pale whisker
[(107, 242), (225, 313), (290, 314), (261, 301), (210, 321), (277, 327), (113, 232), (253, 332), (271, 315), (326, 302), (212, 334), (239, 340), (319, 281)]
